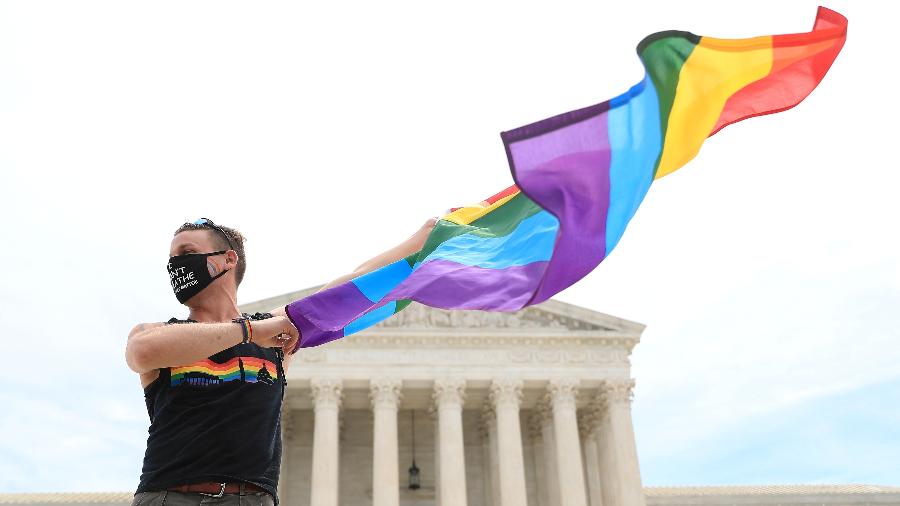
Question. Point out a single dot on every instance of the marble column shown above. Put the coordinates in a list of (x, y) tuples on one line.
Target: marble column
[(385, 396), (485, 458), (616, 433), (326, 393), (562, 393), (449, 395), (491, 462), (433, 412), (609, 486), (506, 397), (536, 438), (587, 429), (545, 412)]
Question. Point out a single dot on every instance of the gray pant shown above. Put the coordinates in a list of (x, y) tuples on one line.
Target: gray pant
[(171, 498)]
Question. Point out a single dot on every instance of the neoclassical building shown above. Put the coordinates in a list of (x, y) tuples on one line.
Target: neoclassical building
[(474, 408), (531, 407)]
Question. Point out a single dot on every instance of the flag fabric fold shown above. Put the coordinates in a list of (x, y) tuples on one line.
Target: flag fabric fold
[(579, 178)]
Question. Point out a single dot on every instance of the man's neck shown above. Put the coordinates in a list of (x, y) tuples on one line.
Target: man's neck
[(216, 307)]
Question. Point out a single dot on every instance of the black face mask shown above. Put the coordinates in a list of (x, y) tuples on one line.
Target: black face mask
[(188, 274)]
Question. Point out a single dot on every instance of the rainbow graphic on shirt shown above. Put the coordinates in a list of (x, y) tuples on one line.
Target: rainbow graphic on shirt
[(207, 373), (259, 370)]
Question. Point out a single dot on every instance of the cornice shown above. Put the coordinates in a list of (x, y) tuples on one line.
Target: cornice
[(472, 338)]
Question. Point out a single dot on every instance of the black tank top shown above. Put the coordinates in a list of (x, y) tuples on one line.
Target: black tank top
[(217, 419)]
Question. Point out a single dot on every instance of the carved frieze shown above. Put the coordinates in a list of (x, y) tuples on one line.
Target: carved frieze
[(429, 355), (418, 316)]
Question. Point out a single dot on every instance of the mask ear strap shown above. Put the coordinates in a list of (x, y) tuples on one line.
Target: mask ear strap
[(219, 275)]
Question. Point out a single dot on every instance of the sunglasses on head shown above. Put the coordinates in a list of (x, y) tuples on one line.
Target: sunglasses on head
[(207, 221)]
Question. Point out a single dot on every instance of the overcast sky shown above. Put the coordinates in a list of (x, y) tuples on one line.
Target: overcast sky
[(767, 270)]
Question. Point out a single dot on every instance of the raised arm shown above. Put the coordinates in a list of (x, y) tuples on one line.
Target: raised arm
[(412, 244), (409, 246)]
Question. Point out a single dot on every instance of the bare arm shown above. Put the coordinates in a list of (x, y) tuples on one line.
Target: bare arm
[(411, 245), (156, 346), (152, 346)]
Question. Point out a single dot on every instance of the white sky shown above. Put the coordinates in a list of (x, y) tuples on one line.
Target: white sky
[(766, 270)]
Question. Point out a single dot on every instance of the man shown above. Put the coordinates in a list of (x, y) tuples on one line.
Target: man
[(214, 382)]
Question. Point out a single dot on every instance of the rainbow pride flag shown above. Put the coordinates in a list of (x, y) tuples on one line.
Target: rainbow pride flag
[(579, 178)]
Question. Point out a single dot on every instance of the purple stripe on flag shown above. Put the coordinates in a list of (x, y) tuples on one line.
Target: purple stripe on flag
[(437, 283), (562, 163), (449, 285), (333, 307), (310, 335)]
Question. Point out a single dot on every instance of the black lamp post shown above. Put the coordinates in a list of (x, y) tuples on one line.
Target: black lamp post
[(413, 470)]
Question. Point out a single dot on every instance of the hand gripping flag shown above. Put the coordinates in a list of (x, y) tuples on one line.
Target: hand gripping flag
[(579, 178)]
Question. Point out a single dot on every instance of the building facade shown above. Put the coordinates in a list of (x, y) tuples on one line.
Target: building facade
[(531, 407)]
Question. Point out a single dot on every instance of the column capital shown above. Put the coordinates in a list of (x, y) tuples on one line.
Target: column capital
[(449, 392), (563, 392), (506, 392), (535, 427), (488, 420), (587, 423), (544, 410), (326, 392), (597, 409), (385, 392), (488, 414), (617, 392)]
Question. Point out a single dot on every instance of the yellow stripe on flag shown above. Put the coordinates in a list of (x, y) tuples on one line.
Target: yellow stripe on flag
[(715, 70), (466, 215)]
